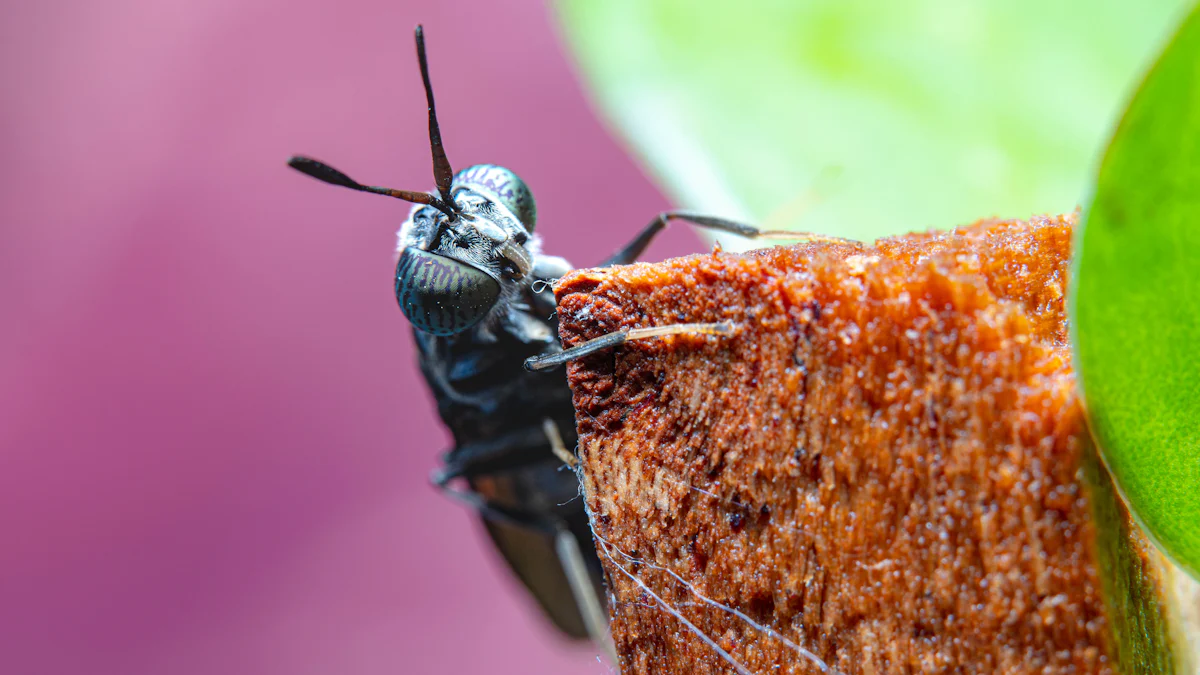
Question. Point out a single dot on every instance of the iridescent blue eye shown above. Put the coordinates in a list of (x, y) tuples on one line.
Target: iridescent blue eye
[(440, 295), (504, 186)]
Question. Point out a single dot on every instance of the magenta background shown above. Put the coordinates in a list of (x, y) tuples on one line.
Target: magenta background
[(214, 440)]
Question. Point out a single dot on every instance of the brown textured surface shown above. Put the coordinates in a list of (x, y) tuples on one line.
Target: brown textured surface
[(882, 465)]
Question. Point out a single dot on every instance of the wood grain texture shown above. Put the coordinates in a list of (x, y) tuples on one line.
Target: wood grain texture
[(884, 466)]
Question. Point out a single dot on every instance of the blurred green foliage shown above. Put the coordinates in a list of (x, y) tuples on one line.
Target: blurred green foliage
[(1136, 302), (897, 116)]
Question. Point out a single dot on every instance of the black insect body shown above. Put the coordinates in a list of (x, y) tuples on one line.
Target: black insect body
[(474, 283)]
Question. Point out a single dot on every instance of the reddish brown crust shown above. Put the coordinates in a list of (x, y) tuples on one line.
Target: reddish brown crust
[(882, 464)]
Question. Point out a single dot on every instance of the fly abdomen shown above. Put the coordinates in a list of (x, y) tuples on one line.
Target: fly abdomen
[(441, 295)]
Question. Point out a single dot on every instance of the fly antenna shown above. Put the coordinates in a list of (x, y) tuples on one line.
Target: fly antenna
[(327, 174), (442, 172)]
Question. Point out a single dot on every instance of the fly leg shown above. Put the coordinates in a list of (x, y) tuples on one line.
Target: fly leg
[(631, 251), (575, 567), (586, 597), (620, 337), (557, 445), (508, 451)]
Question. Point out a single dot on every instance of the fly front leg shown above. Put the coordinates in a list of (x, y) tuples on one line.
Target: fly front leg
[(620, 337), (631, 251)]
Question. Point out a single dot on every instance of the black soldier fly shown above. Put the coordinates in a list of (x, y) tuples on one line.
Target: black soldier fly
[(474, 283)]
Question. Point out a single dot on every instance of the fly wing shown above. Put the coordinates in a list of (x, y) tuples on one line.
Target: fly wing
[(532, 555)]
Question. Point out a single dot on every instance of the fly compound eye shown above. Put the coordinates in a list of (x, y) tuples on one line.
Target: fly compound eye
[(503, 186), (440, 295)]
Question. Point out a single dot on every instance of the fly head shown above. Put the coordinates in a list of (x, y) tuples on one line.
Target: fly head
[(452, 273), (466, 247)]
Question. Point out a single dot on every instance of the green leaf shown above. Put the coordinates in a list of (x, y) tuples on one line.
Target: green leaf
[(1136, 302), (901, 115)]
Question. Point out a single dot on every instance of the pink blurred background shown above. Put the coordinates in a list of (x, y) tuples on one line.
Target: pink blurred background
[(214, 440)]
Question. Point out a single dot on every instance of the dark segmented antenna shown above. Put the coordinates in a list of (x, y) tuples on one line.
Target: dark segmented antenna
[(442, 172), (325, 173)]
